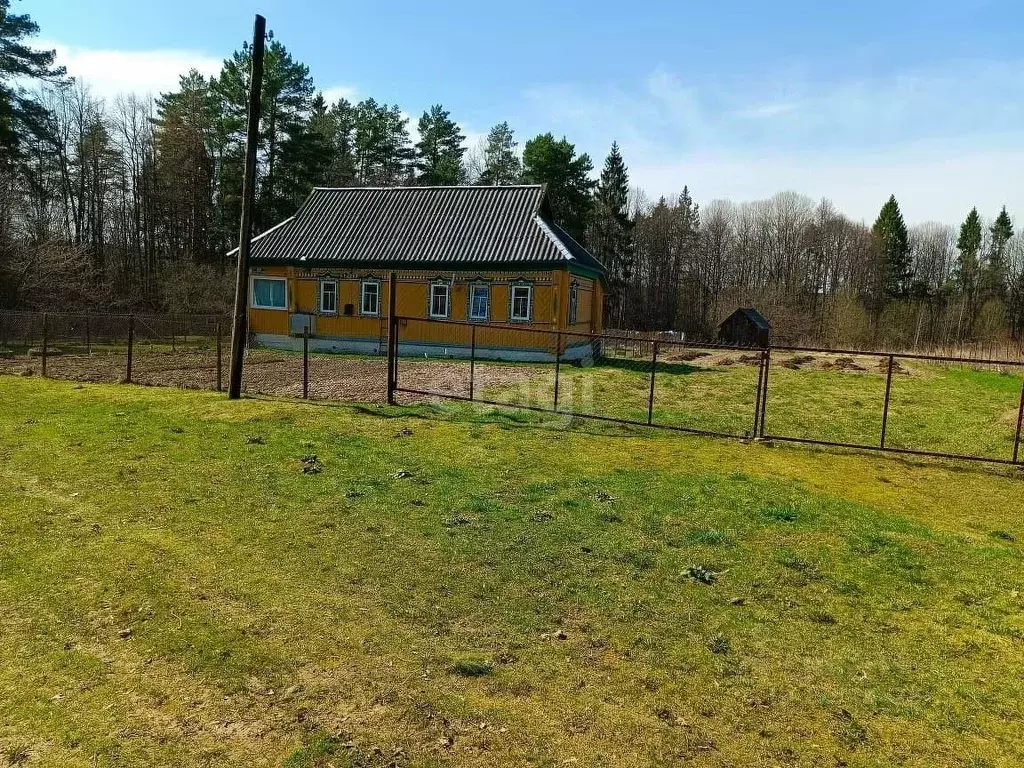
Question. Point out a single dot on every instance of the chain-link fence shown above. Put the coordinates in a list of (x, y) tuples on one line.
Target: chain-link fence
[(964, 408), (184, 351), (970, 408)]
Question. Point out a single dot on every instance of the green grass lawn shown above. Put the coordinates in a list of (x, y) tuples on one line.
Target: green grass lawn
[(949, 410), (458, 586)]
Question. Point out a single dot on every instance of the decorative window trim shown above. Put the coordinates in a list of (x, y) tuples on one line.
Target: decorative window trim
[(574, 302), (529, 301), (447, 285), (472, 286), (362, 296), (320, 295), (252, 292)]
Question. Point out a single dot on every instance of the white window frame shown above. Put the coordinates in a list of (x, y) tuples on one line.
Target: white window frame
[(574, 302), (447, 304), (469, 311), (512, 317), (252, 292), (362, 298), (323, 284)]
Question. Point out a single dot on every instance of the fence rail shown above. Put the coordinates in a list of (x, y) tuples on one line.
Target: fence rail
[(655, 364), (939, 409)]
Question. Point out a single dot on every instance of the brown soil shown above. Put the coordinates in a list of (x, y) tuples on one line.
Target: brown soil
[(797, 362), (268, 372), (842, 364), (897, 367), (687, 356)]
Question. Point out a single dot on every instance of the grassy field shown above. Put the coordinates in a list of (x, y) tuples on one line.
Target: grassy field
[(945, 409), (455, 586)]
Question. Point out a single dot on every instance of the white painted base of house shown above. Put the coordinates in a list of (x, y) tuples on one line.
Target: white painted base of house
[(576, 353)]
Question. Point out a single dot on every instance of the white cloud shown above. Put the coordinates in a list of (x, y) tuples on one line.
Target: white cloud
[(336, 92), (941, 141), (109, 73)]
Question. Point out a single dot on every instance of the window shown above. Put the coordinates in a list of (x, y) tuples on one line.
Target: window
[(574, 302), (521, 303), (479, 302), (329, 297), (369, 301), (269, 293), (439, 299)]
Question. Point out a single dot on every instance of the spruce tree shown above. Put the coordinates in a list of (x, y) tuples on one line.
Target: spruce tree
[(995, 266), (554, 163), (20, 113), (967, 271), (890, 232), (502, 166), (610, 234), (969, 245)]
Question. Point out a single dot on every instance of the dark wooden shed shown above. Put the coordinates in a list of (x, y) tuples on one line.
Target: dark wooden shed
[(746, 327)]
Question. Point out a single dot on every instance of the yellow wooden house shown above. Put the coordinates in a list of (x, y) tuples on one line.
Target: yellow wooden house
[(486, 266)]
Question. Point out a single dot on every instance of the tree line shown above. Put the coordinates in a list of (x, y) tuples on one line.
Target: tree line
[(135, 204)]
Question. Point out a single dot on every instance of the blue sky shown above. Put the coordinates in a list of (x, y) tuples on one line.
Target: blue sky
[(852, 101)]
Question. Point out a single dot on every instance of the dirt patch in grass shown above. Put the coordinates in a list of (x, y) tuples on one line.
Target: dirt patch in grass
[(270, 372), (842, 364), (797, 362), (686, 356)]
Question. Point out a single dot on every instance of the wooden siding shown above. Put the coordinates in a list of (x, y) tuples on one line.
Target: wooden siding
[(550, 305)]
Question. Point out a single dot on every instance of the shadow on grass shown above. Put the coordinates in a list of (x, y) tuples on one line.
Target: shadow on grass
[(624, 364), (509, 417)]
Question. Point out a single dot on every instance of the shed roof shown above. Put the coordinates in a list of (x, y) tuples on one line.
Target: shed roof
[(423, 226), (752, 315)]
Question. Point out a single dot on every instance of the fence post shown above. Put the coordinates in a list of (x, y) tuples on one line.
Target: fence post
[(764, 390), (885, 407), (46, 329), (131, 346), (558, 365), (305, 362), (1020, 426), (472, 361), (757, 399), (220, 359), (392, 337), (654, 370), (88, 337)]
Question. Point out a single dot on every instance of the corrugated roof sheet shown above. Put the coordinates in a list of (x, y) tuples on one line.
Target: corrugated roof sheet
[(752, 315), (419, 226)]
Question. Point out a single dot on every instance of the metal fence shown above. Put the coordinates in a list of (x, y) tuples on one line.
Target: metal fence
[(158, 350), (959, 408), (927, 405)]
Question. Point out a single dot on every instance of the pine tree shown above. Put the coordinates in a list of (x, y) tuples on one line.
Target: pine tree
[(185, 144), (383, 152), (995, 275), (610, 234), (502, 166), (286, 103), (440, 149), (341, 122), (890, 232), (554, 163), (20, 113)]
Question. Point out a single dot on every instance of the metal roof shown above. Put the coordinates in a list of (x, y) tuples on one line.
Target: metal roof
[(752, 315), (422, 226)]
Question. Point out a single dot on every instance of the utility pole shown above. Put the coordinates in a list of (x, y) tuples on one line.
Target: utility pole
[(240, 325)]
